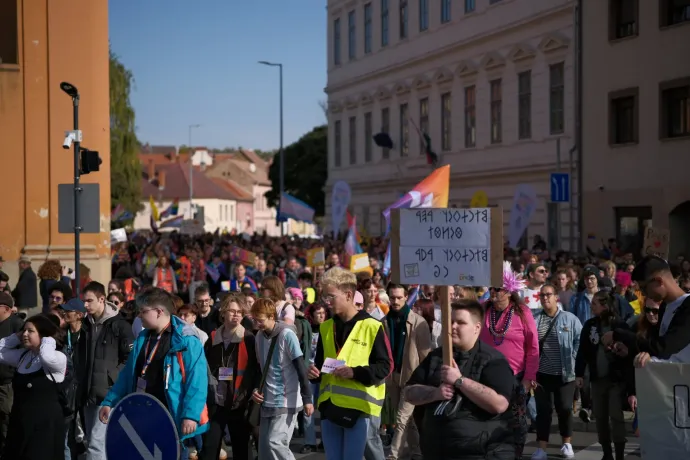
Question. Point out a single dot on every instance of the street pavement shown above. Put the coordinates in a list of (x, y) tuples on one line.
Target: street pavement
[(584, 443)]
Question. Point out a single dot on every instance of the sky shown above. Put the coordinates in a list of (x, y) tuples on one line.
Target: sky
[(195, 62)]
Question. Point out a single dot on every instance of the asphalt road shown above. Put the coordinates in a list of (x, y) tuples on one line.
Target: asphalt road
[(584, 443)]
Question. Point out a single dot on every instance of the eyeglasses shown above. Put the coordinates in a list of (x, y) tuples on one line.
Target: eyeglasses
[(546, 295), (234, 312), (651, 311), (56, 298)]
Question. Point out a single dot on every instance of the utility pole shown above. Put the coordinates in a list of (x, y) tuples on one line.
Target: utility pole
[(281, 154), (191, 173)]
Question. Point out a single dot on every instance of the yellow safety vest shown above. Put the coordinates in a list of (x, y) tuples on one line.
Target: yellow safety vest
[(349, 393)]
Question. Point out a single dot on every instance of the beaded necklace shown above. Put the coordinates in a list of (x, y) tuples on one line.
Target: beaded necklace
[(500, 336)]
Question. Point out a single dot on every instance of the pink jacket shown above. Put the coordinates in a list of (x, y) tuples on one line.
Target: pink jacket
[(521, 344)]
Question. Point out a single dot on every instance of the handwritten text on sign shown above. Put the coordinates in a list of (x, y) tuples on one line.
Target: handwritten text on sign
[(445, 246)]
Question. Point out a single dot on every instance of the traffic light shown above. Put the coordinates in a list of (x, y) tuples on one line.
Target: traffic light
[(89, 162)]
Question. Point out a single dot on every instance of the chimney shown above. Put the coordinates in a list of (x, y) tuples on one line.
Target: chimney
[(152, 170), (161, 181)]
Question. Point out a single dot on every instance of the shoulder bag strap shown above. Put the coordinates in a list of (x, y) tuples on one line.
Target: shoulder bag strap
[(264, 374), (548, 331)]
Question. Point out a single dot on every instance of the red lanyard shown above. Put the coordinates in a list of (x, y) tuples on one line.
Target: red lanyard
[(153, 352)]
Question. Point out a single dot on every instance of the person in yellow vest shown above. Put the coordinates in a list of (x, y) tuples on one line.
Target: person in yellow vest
[(353, 358)]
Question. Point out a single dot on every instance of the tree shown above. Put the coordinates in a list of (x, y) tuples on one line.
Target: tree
[(306, 170), (125, 169)]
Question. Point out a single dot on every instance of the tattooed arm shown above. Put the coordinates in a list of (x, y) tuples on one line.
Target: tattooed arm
[(483, 396), (419, 395)]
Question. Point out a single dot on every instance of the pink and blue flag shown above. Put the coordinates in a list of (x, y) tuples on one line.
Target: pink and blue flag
[(294, 208)]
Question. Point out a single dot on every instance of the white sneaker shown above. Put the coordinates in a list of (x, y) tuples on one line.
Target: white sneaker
[(539, 454), (223, 455), (567, 450)]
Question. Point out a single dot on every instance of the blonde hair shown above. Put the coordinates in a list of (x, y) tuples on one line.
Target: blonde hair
[(343, 280), (239, 299)]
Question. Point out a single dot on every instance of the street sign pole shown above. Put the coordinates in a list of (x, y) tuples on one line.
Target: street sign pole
[(74, 138), (558, 205)]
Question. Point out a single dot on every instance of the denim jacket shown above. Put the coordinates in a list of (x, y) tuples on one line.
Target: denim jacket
[(568, 327)]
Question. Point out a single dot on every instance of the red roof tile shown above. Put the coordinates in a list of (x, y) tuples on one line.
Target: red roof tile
[(177, 184)]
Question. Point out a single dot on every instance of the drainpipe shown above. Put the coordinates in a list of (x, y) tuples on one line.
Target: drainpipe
[(578, 121)]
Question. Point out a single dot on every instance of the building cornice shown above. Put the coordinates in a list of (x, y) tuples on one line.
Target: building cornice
[(437, 53)]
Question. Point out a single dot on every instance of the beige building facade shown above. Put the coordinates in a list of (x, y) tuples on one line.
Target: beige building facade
[(490, 81), (636, 121)]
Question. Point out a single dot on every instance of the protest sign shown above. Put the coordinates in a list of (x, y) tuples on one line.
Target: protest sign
[(359, 262), (242, 256), (447, 247), (656, 241), (316, 257), (663, 408)]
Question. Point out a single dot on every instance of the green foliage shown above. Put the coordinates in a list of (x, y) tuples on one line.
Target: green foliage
[(125, 169), (306, 170)]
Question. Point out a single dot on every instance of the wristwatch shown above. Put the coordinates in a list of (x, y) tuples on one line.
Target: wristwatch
[(458, 383)]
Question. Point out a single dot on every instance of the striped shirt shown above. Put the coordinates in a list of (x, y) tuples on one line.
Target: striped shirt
[(550, 358)]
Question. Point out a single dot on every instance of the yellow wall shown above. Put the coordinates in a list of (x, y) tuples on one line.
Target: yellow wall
[(59, 40)]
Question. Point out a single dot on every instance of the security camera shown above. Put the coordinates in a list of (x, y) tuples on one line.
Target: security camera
[(67, 143), (70, 137)]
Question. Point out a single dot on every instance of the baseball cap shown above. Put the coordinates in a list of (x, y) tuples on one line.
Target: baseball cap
[(74, 305), (6, 299)]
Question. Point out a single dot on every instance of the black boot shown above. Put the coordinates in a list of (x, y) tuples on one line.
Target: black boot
[(620, 450), (608, 452)]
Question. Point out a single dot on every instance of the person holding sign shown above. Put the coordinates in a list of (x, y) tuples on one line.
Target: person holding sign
[(467, 412), (352, 360)]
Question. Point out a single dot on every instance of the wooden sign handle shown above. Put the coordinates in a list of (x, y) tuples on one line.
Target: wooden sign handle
[(446, 321)]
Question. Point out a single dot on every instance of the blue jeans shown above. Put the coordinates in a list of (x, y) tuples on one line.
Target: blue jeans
[(309, 422), (68, 452), (345, 443)]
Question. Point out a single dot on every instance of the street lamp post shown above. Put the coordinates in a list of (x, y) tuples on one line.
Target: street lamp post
[(281, 155), (191, 173)]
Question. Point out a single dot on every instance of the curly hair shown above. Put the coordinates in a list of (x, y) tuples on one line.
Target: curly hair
[(51, 269)]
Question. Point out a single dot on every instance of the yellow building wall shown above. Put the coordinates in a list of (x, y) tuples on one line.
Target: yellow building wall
[(59, 40)]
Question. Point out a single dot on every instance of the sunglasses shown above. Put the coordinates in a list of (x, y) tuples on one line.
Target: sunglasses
[(653, 311)]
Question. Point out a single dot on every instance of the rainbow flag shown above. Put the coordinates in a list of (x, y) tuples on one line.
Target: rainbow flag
[(175, 222), (432, 192), (172, 209)]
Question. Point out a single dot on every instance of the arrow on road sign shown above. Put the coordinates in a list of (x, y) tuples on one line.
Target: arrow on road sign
[(138, 443)]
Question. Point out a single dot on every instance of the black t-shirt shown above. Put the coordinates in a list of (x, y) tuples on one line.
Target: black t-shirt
[(496, 374), (155, 373), (208, 323)]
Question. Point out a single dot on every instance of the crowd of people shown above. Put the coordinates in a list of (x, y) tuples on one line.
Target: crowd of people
[(244, 344)]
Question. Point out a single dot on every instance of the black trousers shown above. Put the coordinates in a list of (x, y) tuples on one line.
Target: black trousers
[(239, 429), (552, 393)]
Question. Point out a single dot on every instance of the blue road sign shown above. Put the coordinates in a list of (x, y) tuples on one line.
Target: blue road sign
[(560, 187), (141, 428)]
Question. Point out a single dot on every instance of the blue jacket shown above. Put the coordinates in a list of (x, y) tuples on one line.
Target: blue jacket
[(568, 327), (185, 400), (581, 307)]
